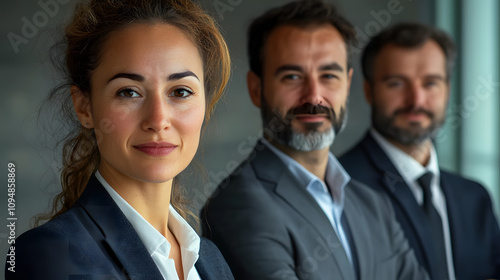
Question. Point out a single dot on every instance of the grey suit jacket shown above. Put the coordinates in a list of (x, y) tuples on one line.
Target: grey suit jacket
[(269, 227)]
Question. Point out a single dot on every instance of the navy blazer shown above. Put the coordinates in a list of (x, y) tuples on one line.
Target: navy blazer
[(474, 230), (94, 240)]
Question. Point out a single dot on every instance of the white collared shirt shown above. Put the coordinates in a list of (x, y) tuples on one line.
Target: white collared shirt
[(411, 171), (156, 244), (331, 204)]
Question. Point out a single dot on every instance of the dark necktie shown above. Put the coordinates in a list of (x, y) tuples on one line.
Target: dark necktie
[(436, 227)]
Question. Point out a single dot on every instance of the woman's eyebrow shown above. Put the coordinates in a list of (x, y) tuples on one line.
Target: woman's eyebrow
[(131, 76), (180, 75), (139, 78)]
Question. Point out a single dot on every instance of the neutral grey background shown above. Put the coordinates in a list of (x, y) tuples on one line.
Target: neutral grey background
[(26, 78)]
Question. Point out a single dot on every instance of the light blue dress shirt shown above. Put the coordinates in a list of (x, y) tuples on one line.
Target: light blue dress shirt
[(332, 201)]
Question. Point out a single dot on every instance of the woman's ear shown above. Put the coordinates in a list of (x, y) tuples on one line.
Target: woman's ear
[(254, 85), (81, 103)]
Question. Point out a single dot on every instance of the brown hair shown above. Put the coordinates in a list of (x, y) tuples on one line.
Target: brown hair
[(301, 13), (407, 35), (92, 24)]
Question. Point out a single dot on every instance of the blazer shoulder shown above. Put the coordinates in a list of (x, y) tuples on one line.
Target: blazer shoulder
[(352, 154), (455, 178), (44, 251), (359, 160), (241, 197), (209, 250), (63, 227), (462, 186), (242, 187)]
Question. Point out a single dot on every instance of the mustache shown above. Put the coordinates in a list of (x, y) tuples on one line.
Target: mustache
[(413, 110), (310, 109)]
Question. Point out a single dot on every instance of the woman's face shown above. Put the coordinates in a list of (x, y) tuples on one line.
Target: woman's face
[(147, 103)]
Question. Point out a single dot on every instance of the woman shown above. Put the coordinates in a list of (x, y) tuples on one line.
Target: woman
[(143, 76)]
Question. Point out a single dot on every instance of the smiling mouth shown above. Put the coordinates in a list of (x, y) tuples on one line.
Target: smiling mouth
[(156, 149), (414, 116)]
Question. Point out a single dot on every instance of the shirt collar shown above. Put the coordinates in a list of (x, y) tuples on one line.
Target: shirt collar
[(407, 166), (153, 240), (336, 177)]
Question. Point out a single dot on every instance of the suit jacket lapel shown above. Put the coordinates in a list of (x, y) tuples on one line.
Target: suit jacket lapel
[(454, 216), (398, 189), (122, 240), (203, 270), (361, 237), (201, 265), (296, 195)]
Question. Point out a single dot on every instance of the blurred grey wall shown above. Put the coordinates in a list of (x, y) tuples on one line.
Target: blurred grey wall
[(27, 76)]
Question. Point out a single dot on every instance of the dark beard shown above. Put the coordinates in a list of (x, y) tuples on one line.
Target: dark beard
[(414, 135)]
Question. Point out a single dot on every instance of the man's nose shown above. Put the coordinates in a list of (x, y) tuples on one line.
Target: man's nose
[(416, 96), (311, 92)]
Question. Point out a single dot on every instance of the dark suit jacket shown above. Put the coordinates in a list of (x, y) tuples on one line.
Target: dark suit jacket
[(94, 240), (268, 226), (475, 235)]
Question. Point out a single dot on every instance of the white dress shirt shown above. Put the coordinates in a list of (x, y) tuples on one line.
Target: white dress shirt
[(331, 202), (411, 170), (156, 244)]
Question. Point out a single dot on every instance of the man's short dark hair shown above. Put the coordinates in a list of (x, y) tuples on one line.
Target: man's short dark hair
[(407, 35), (301, 14)]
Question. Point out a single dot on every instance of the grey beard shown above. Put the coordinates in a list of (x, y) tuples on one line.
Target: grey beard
[(311, 141)]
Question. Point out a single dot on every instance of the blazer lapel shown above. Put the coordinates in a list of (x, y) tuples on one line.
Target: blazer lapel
[(454, 216), (203, 270), (120, 237), (211, 264), (398, 189), (296, 195), (361, 237), (201, 265)]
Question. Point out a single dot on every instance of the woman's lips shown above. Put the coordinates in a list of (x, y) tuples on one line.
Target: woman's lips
[(156, 149)]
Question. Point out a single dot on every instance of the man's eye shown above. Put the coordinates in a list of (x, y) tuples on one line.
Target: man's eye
[(329, 76), (291, 77), (128, 93), (181, 93), (430, 84), (393, 84)]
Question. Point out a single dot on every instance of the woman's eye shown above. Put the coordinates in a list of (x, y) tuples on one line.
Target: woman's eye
[(181, 93), (128, 93)]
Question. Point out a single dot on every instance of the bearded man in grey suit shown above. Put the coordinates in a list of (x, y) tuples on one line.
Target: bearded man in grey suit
[(291, 211)]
